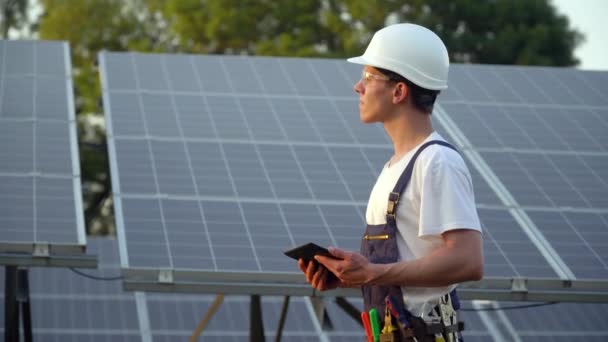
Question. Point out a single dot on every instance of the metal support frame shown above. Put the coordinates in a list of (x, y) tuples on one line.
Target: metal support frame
[(256, 323), (16, 288), (489, 288), (203, 323), (350, 309), (282, 319), (17, 304), (320, 312), (58, 260)]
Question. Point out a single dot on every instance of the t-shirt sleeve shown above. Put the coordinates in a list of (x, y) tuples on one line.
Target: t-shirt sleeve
[(447, 200)]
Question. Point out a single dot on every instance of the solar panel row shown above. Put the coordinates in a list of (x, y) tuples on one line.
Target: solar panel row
[(69, 307), (244, 142), (40, 197)]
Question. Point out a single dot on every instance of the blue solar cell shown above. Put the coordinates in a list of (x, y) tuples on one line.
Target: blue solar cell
[(149, 72), (334, 79), (211, 74), (272, 77), (467, 85), (120, 73), (19, 58), (302, 77), (181, 75), (492, 84)]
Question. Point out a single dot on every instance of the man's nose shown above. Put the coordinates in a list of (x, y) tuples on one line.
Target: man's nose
[(358, 87)]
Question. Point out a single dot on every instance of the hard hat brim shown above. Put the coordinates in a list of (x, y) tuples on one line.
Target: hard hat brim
[(357, 60), (361, 60)]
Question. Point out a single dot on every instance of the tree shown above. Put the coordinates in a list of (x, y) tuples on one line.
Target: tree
[(528, 32), (276, 27), (479, 31), (524, 32), (13, 15)]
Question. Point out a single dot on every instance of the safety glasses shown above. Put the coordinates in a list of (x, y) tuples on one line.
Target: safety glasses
[(366, 76)]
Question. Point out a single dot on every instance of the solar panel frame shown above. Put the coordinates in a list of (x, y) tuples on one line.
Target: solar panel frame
[(57, 54)]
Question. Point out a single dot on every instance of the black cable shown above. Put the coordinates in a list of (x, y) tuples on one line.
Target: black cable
[(515, 307), (95, 277)]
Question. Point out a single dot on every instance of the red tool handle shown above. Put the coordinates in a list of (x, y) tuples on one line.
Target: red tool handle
[(367, 325)]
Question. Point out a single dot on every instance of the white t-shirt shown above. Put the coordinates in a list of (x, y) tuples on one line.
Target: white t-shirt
[(438, 198)]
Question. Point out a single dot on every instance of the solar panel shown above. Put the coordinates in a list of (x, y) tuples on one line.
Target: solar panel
[(561, 322), (219, 163), (202, 158), (542, 133), (40, 196)]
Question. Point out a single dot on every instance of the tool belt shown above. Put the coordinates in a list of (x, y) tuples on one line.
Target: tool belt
[(424, 331), (440, 325)]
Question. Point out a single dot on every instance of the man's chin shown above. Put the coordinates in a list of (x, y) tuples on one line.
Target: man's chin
[(365, 119)]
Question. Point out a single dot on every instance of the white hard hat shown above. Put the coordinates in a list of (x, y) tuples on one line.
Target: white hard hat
[(411, 51)]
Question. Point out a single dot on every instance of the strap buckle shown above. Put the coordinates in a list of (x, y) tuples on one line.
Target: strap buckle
[(393, 199)]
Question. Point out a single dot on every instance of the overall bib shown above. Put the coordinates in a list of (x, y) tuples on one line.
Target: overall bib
[(379, 243)]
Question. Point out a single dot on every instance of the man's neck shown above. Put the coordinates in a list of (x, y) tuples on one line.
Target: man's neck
[(407, 131)]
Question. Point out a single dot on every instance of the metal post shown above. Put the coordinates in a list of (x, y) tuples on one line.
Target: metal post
[(282, 319), (321, 313), (23, 300), (11, 307), (350, 309), (256, 323)]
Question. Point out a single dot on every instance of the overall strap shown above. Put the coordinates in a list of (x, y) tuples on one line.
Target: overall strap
[(393, 197)]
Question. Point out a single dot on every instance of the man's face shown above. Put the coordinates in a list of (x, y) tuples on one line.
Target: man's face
[(375, 95)]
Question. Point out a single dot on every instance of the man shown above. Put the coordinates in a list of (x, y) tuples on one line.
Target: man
[(423, 235)]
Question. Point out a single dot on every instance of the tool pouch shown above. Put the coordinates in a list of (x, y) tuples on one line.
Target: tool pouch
[(423, 331), (433, 331), (441, 324)]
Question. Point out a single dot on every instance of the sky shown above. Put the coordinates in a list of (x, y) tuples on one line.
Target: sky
[(589, 17)]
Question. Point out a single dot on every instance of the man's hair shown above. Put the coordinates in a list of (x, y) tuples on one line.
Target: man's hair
[(423, 98)]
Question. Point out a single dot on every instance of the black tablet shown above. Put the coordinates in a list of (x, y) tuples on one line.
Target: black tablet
[(307, 252)]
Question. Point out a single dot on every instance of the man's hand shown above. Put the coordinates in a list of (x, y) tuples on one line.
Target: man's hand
[(352, 269), (318, 276)]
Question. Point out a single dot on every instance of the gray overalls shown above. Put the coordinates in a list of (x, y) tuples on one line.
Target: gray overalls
[(379, 245)]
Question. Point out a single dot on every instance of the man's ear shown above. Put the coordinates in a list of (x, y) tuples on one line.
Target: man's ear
[(400, 93)]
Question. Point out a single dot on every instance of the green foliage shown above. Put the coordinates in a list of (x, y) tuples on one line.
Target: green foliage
[(524, 32), (13, 15), (259, 27)]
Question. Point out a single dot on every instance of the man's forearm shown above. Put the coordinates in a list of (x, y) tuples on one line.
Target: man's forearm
[(443, 267)]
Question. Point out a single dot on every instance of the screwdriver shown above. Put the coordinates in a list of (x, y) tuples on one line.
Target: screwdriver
[(375, 321), (367, 326)]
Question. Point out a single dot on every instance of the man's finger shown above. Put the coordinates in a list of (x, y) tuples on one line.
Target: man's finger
[(339, 253), (318, 278), (330, 263), (302, 265), (310, 271)]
